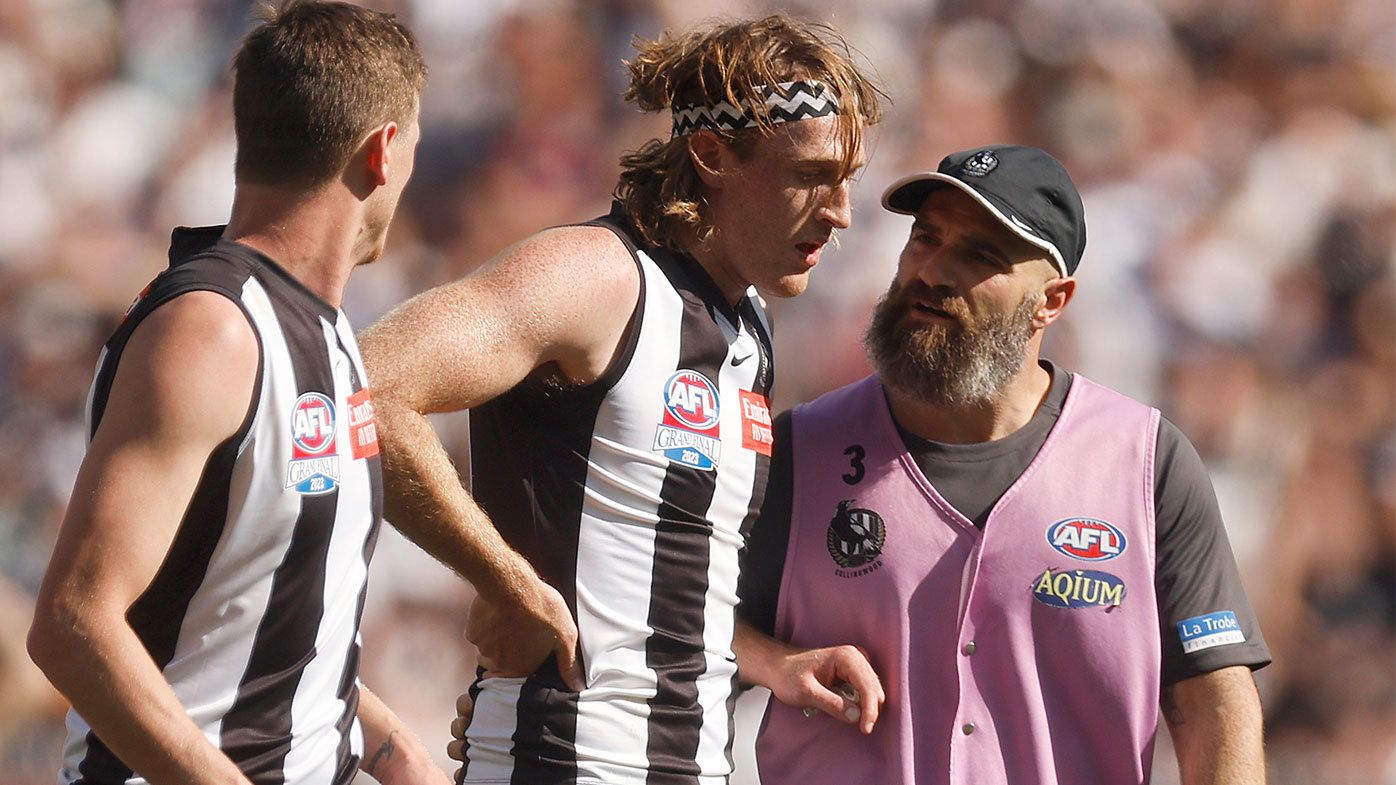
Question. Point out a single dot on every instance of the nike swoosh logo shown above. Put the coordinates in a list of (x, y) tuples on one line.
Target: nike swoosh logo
[(739, 360)]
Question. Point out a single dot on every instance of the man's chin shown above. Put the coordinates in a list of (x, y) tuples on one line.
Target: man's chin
[(373, 256), (786, 286)]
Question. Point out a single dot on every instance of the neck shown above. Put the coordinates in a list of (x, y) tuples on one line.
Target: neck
[(999, 416), (713, 260), (313, 236)]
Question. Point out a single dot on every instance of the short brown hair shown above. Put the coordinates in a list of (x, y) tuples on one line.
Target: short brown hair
[(311, 80), (729, 62)]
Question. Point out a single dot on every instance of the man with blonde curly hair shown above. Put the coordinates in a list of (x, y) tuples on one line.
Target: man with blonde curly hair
[(617, 374)]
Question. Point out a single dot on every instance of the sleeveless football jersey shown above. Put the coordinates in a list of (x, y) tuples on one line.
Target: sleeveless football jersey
[(254, 615), (630, 495)]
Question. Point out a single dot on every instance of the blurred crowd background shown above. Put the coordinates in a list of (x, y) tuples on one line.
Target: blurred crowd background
[(1237, 159)]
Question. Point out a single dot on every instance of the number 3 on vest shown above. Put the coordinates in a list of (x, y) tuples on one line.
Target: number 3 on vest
[(856, 454)]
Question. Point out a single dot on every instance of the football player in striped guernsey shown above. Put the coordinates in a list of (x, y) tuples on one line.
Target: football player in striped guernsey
[(617, 374), (201, 610)]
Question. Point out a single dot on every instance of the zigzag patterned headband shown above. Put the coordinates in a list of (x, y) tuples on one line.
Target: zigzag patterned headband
[(785, 102)]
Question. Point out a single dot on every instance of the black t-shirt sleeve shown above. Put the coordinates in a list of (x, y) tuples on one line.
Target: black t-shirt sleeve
[(763, 558), (1196, 578)]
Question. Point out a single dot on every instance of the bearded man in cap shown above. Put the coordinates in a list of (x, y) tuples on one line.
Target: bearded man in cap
[(1039, 562)]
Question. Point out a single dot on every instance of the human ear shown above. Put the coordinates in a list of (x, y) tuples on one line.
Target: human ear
[(709, 155), (378, 156), (1056, 293)]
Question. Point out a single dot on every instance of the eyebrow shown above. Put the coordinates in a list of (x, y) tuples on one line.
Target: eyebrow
[(829, 164), (990, 250), (980, 246)]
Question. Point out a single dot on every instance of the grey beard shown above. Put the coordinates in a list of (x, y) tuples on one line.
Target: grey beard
[(949, 366)]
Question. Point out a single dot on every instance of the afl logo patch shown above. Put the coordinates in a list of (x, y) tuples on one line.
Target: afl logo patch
[(690, 433), (1087, 539), (855, 539), (692, 400), (312, 423), (314, 465), (980, 164)]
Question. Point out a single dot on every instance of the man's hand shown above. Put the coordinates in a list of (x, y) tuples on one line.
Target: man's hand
[(516, 638), (837, 680), (465, 709)]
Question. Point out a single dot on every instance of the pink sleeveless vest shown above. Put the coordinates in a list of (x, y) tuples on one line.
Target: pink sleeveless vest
[(1026, 654)]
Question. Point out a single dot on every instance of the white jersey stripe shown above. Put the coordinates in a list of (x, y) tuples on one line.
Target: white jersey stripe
[(611, 613), (489, 755)]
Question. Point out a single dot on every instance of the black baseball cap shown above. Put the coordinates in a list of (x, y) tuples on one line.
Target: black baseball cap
[(1028, 190)]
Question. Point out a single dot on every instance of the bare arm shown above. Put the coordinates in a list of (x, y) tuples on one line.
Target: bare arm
[(810, 678), (559, 301), (182, 388), (393, 755), (1215, 721)]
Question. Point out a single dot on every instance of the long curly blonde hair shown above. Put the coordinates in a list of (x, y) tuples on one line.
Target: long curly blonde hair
[(729, 62)]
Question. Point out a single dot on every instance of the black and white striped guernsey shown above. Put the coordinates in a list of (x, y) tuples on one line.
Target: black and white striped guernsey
[(254, 615), (631, 496)]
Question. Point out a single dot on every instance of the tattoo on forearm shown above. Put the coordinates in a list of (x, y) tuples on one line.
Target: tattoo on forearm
[(1171, 711), (383, 754)]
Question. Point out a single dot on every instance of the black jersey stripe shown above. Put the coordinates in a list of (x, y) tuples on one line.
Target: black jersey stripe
[(257, 729), (543, 739), (348, 685), (679, 586)]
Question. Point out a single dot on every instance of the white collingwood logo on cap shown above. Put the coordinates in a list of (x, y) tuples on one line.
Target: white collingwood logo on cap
[(1021, 225), (980, 164)]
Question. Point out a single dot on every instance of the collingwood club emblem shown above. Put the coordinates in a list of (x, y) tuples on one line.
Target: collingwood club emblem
[(980, 164), (855, 539)]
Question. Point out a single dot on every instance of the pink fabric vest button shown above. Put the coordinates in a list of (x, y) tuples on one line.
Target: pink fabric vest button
[(968, 728), (969, 648)]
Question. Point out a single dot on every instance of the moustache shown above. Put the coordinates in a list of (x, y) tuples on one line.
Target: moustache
[(942, 299)]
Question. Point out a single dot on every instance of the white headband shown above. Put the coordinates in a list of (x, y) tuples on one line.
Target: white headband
[(785, 102)]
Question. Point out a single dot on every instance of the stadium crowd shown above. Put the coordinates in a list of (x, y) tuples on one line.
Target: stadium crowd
[(1237, 159)]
